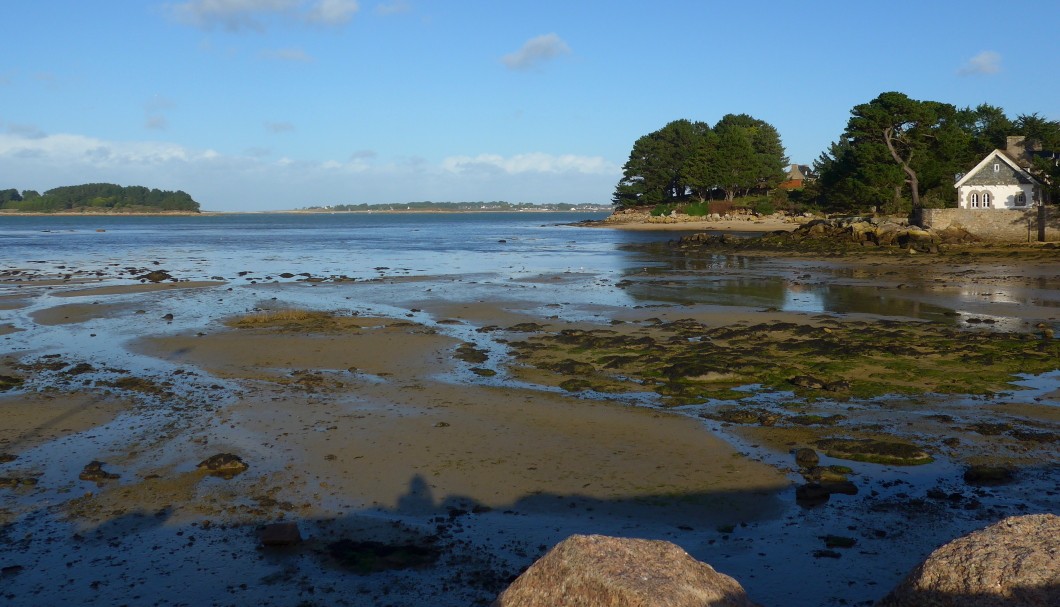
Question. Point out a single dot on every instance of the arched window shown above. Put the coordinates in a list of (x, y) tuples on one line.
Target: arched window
[(986, 199), (1021, 199), (975, 199)]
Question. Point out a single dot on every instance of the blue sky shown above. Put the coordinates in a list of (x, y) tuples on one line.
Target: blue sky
[(280, 104)]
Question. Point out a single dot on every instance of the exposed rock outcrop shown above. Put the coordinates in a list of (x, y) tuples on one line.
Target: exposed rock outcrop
[(841, 234), (1012, 563), (602, 571)]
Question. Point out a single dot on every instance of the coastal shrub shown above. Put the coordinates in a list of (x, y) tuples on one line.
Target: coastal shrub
[(662, 209), (698, 209), (764, 207)]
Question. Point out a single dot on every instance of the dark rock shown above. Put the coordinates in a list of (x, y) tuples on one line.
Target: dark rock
[(811, 495), (372, 557), (839, 541), (95, 473), (806, 457), (807, 381), (989, 475), (595, 570), (224, 465), (279, 534), (1012, 563), (7, 457), (155, 276)]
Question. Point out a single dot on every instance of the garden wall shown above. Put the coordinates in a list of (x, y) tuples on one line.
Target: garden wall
[(1005, 225)]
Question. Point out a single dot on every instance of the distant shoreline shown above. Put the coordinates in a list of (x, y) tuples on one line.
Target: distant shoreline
[(289, 212)]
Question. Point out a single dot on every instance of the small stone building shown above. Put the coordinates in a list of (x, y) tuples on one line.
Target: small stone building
[(1000, 181)]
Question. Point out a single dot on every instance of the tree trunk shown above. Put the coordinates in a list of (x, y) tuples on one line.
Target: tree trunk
[(914, 183)]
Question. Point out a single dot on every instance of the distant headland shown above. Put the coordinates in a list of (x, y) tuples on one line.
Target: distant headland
[(103, 198), (427, 206)]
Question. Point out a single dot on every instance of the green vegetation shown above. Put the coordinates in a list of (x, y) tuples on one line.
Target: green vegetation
[(895, 154), (688, 362), (98, 197), (899, 153), (690, 161)]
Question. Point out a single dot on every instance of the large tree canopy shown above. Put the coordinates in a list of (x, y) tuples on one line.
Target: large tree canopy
[(899, 153), (690, 159)]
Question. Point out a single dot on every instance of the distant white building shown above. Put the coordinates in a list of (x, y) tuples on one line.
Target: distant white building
[(998, 181)]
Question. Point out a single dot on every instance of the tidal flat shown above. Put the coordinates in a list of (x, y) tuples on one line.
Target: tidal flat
[(430, 433)]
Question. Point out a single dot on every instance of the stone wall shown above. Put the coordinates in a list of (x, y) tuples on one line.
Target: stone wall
[(1005, 225)]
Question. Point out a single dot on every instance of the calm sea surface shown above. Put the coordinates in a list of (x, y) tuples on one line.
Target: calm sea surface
[(353, 245)]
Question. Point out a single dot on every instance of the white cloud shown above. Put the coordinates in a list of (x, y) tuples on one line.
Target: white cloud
[(530, 163), (986, 62), (535, 52), (333, 12), (287, 54), (232, 15), (260, 180), (237, 15)]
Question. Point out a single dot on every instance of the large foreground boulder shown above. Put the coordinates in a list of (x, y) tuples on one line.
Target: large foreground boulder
[(602, 571), (1012, 563)]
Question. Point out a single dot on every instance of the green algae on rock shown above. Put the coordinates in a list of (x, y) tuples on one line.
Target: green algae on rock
[(687, 362), (874, 451)]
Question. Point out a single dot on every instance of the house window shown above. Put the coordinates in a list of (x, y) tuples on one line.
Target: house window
[(986, 199), (975, 200), (997, 167), (1021, 199)]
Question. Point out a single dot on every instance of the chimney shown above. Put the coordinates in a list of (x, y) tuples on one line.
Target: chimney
[(1016, 148)]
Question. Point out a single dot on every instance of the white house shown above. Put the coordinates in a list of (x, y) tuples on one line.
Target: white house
[(998, 181)]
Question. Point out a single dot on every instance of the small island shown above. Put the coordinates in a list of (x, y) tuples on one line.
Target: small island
[(97, 198)]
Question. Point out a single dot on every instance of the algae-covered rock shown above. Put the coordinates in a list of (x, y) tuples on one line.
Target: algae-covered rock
[(225, 465), (806, 457), (874, 451)]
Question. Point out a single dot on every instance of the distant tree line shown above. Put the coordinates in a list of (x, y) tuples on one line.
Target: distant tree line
[(99, 197), (899, 153), (427, 205), (688, 160)]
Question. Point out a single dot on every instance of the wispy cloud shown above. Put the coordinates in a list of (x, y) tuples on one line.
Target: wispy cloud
[(393, 7), (154, 112), (535, 52), (529, 163), (296, 55), (333, 12), (26, 131), (279, 127), (156, 123), (239, 15), (986, 62)]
